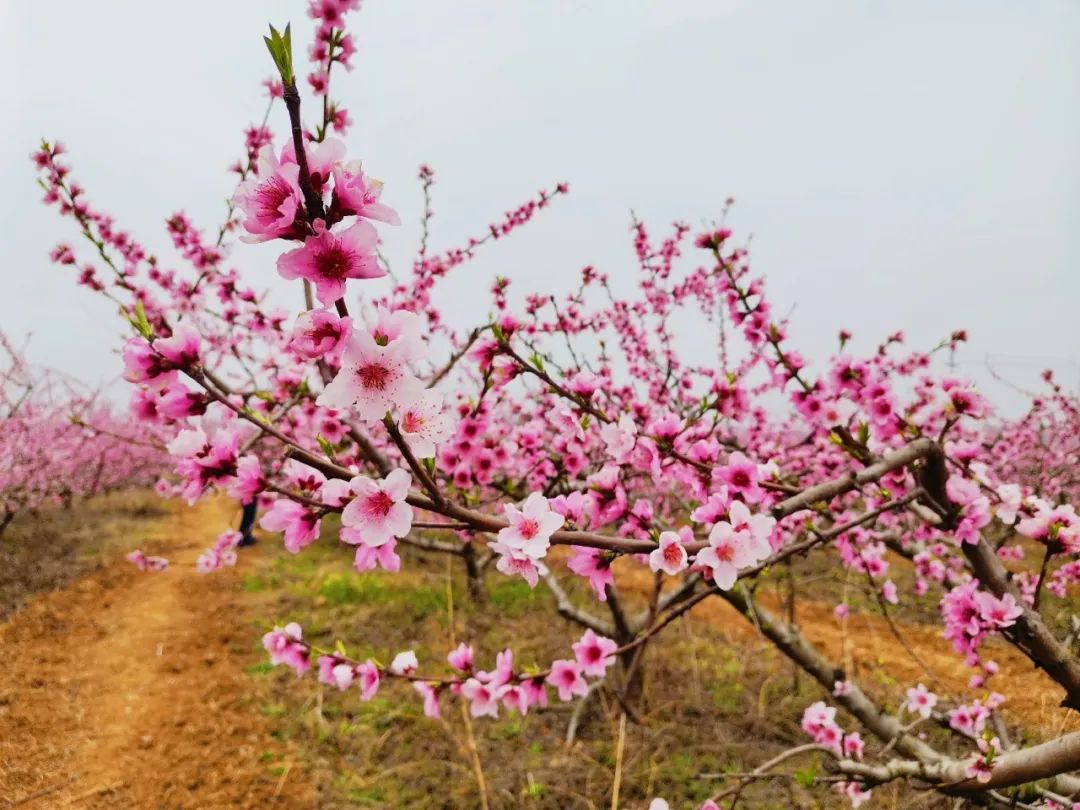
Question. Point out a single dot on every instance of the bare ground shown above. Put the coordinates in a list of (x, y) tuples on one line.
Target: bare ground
[(128, 690)]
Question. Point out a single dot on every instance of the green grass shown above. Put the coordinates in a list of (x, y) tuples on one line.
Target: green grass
[(709, 706), (514, 597)]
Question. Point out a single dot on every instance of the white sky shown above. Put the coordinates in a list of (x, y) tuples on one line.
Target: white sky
[(911, 164)]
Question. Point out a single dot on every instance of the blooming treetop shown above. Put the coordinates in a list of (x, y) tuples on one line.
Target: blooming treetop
[(569, 419)]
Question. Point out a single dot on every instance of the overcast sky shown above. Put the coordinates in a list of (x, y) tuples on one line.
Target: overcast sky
[(911, 164)]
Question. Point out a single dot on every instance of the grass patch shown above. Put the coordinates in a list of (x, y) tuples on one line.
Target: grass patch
[(514, 597)]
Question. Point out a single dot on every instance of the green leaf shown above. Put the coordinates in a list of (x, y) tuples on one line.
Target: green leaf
[(280, 47), (140, 323), (864, 433), (326, 447), (261, 418), (806, 776)]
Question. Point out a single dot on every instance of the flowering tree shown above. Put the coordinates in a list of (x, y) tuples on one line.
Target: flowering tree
[(568, 435), (59, 442)]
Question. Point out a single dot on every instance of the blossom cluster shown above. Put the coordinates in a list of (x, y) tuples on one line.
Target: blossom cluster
[(485, 691)]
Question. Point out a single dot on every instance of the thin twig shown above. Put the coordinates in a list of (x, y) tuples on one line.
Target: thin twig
[(618, 762)]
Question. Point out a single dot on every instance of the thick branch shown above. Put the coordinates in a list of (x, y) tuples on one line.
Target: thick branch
[(920, 448)]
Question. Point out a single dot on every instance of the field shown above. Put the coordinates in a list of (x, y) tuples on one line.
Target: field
[(128, 690)]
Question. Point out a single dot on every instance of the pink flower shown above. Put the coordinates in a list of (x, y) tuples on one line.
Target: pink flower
[(335, 492), (367, 675), (182, 348), (741, 476), (425, 424), (356, 193), (283, 644), (321, 158), (565, 676), (319, 332), (368, 558), (213, 559), (1011, 499), (431, 698), (404, 663), (853, 745), (819, 721), (205, 461), (1053, 524), (531, 526), (327, 260), (516, 698), (816, 715), (572, 507), (333, 671), (483, 698), (888, 592), (144, 365), (375, 379), (515, 562), (999, 613), (379, 512), (759, 527), (177, 401), (271, 201), (670, 555), (228, 539), (714, 507), (727, 552), (249, 481), (145, 563), (981, 767), (596, 566), (567, 421), (855, 792), (461, 658), (594, 654), (504, 668), (534, 691), (401, 329), (920, 701), (300, 524)]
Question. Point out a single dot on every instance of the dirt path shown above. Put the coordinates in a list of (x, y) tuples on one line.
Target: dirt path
[(128, 690)]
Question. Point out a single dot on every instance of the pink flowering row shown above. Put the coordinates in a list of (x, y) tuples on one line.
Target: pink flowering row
[(59, 441)]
